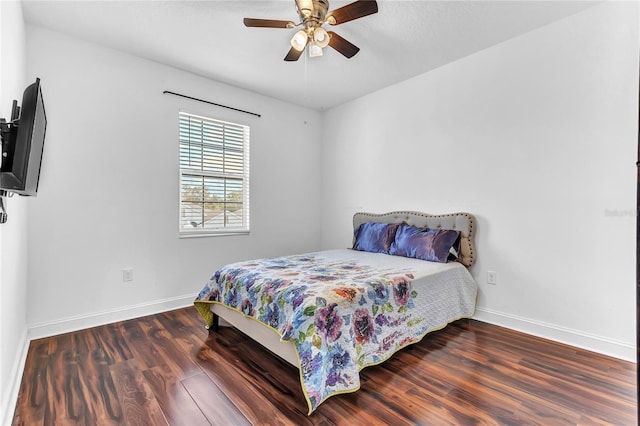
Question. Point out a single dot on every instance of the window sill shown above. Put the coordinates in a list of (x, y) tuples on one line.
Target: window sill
[(201, 234)]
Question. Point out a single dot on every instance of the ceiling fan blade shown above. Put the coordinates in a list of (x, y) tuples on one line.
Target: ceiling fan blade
[(268, 23), (342, 45), (293, 55), (352, 11)]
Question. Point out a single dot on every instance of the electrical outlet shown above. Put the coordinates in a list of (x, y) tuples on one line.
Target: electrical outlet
[(492, 277), (127, 274)]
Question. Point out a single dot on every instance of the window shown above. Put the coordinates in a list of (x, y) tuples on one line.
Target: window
[(214, 176)]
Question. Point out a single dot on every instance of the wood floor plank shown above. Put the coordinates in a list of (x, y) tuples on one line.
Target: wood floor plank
[(100, 388), (167, 369), (275, 378), (138, 342), (178, 406), (167, 349), (412, 399), (32, 403), (111, 341), (247, 398), (180, 325), (499, 377), (215, 406), (139, 404)]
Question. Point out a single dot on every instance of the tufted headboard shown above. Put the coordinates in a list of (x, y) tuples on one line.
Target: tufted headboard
[(463, 222)]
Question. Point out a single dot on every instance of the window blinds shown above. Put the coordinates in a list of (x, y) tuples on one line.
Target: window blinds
[(214, 175)]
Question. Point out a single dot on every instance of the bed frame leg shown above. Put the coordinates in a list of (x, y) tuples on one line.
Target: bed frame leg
[(214, 324)]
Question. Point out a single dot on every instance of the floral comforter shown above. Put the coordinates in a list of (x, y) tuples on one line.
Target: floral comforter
[(343, 310)]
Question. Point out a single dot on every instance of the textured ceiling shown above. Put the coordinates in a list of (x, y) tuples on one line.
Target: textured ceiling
[(404, 39)]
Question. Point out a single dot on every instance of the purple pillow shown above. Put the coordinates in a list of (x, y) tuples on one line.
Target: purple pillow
[(427, 244), (375, 237)]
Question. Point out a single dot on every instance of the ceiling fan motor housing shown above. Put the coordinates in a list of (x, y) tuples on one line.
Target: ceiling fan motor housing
[(317, 15)]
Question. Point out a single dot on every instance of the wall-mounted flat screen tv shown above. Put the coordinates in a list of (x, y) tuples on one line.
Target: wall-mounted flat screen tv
[(22, 149)]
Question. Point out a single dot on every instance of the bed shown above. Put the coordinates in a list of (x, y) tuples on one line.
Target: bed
[(332, 313)]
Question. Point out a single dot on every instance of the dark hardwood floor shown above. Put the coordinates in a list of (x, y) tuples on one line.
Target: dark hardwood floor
[(167, 369)]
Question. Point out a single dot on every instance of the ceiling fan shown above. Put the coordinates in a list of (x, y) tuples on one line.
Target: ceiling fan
[(313, 15)]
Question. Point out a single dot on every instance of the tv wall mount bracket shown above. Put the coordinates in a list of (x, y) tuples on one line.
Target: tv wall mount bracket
[(5, 132)]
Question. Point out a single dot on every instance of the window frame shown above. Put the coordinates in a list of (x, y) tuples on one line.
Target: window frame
[(244, 229)]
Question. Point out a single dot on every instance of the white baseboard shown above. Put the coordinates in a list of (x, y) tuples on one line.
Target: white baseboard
[(580, 339), (80, 322), (8, 405)]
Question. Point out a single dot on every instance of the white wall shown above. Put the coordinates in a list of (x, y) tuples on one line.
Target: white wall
[(13, 234), (537, 137), (108, 196)]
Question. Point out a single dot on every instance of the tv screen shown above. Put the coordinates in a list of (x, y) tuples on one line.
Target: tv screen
[(22, 152)]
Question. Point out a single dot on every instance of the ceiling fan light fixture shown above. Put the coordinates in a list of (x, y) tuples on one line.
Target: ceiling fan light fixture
[(314, 50), (299, 40), (321, 37)]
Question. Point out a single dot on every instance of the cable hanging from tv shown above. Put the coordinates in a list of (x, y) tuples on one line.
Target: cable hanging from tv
[(3, 211)]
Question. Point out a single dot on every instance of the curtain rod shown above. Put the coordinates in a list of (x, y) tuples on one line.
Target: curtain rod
[(167, 92)]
